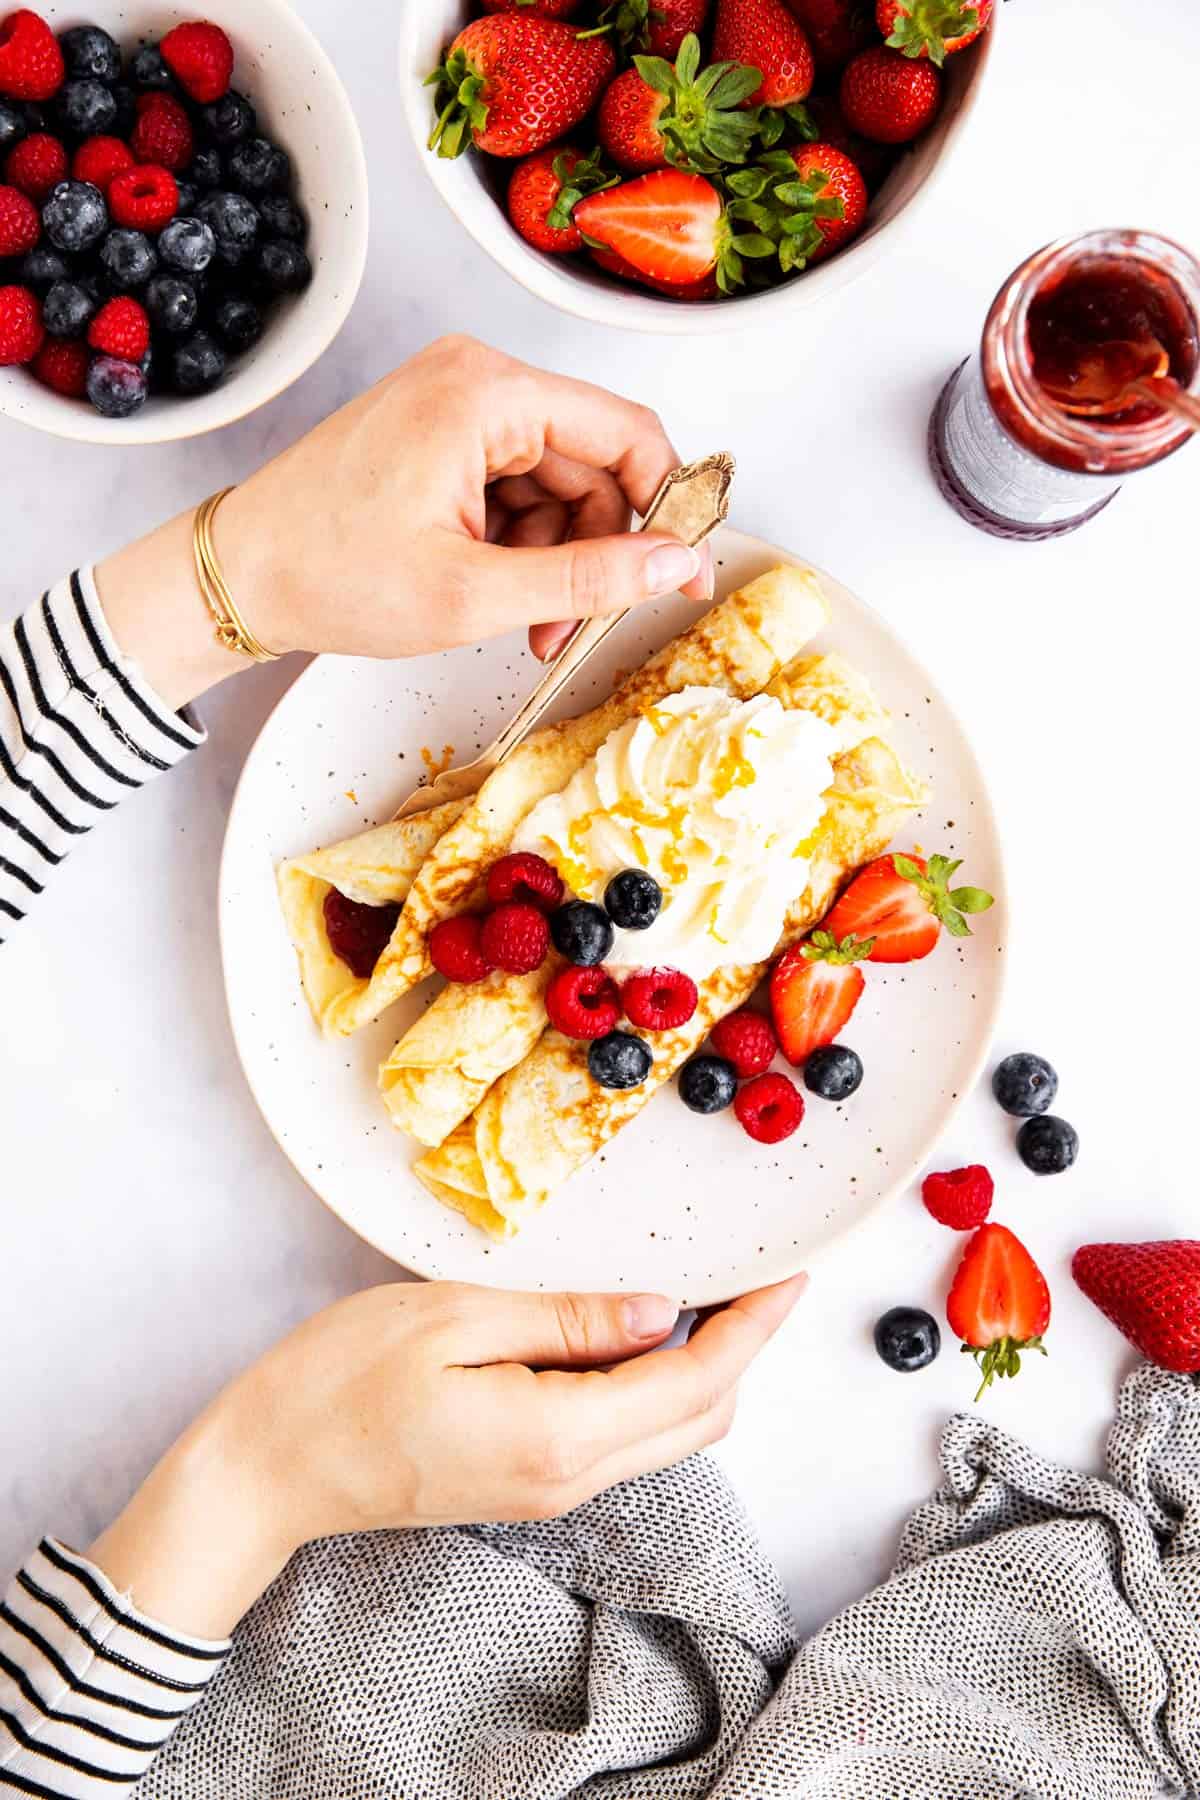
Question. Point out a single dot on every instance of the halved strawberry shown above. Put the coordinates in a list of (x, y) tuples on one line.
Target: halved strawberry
[(704, 289), (999, 1304), (814, 989), (671, 225), (902, 902)]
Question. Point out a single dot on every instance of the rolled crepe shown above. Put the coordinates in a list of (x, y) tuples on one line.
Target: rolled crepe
[(377, 868), (442, 1067), (547, 1117), (739, 646)]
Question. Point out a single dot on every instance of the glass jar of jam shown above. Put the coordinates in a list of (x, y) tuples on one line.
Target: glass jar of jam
[(1010, 458)]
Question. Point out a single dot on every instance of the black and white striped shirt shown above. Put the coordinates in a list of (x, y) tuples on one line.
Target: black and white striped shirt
[(90, 1689), (80, 729)]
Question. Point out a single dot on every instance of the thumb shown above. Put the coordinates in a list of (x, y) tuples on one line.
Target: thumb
[(568, 1330), (576, 580)]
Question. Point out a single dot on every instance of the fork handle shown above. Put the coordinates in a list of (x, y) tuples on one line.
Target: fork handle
[(691, 503)]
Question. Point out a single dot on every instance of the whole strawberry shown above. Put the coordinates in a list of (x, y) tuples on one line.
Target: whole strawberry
[(764, 34), (1151, 1292), (31, 63), (512, 83), (543, 190), (831, 176), (837, 30), (534, 9), (656, 114), (659, 26), (932, 28), (889, 97), (21, 330)]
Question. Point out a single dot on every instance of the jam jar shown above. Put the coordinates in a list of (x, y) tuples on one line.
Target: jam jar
[(1006, 455)]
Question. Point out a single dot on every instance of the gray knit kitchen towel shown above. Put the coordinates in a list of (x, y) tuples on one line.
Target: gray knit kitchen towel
[(1040, 1637)]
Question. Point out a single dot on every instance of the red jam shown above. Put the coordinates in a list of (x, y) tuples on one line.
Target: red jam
[(1094, 308), (358, 934)]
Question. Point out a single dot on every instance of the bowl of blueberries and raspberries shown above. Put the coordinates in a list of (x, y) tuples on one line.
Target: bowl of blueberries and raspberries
[(183, 215)]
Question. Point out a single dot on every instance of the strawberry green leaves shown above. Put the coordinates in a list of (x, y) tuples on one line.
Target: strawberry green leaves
[(948, 905), (1001, 1359), (782, 208), (924, 27), (460, 109), (704, 124), (823, 946), (579, 176)]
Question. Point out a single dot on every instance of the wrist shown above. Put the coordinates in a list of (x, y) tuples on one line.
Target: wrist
[(204, 1535)]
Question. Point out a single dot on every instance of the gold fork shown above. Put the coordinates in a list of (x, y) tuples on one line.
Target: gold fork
[(692, 501)]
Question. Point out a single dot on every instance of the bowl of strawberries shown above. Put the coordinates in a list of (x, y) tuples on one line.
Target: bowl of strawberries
[(183, 213), (646, 163)]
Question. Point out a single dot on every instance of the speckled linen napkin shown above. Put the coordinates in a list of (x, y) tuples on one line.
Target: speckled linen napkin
[(1039, 1637)]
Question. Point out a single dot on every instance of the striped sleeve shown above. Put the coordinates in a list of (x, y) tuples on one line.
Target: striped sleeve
[(90, 1689), (80, 730)]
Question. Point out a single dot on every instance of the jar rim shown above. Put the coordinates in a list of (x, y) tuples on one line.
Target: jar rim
[(1068, 438)]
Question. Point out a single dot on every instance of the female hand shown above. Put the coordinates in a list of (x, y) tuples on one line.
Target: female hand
[(463, 495), (424, 1404)]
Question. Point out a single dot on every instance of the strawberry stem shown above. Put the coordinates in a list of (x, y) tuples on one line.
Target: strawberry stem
[(1001, 1359), (923, 27)]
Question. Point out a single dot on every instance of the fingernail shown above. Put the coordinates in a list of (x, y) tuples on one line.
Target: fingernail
[(668, 566), (648, 1315)]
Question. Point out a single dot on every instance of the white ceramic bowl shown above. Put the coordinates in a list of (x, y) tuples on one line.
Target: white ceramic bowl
[(302, 104), (571, 284)]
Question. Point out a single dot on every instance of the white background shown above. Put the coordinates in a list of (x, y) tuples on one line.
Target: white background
[(154, 1239)]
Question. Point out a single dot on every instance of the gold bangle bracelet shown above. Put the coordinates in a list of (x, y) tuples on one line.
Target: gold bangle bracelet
[(232, 632)]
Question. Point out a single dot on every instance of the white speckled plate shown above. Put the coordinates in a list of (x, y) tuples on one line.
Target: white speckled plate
[(676, 1203)]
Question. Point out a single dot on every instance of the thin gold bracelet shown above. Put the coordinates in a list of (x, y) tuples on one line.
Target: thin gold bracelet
[(232, 633)]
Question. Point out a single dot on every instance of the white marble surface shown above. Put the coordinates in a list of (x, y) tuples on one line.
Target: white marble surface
[(153, 1238)]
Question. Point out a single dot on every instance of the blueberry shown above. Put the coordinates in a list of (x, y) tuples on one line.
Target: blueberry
[(12, 125), (115, 388), (67, 309), (581, 932), (282, 218), (85, 108), (198, 364), (707, 1084), (88, 51), (43, 266), (632, 900), (907, 1339), (1024, 1084), (238, 323), (204, 171), (172, 304), (36, 117), (620, 1060), (75, 216), (833, 1073), (148, 71), (230, 119), (128, 259), (281, 268), (258, 167), (234, 224), (126, 102), (187, 244), (1047, 1145)]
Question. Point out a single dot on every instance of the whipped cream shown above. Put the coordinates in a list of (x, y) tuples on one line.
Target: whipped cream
[(715, 797)]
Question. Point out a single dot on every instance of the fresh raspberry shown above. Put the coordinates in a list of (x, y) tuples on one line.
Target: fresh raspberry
[(31, 63), (145, 197), (455, 950), (959, 1198), (36, 164), (98, 159), (121, 328), (583, 1003), (659, 999), (20, 226), (200, 57), (21, 330), (62, 364), (163, 132), (358, 933), (515, 937), (747, 1040), (769, 1108), (529, 879)]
